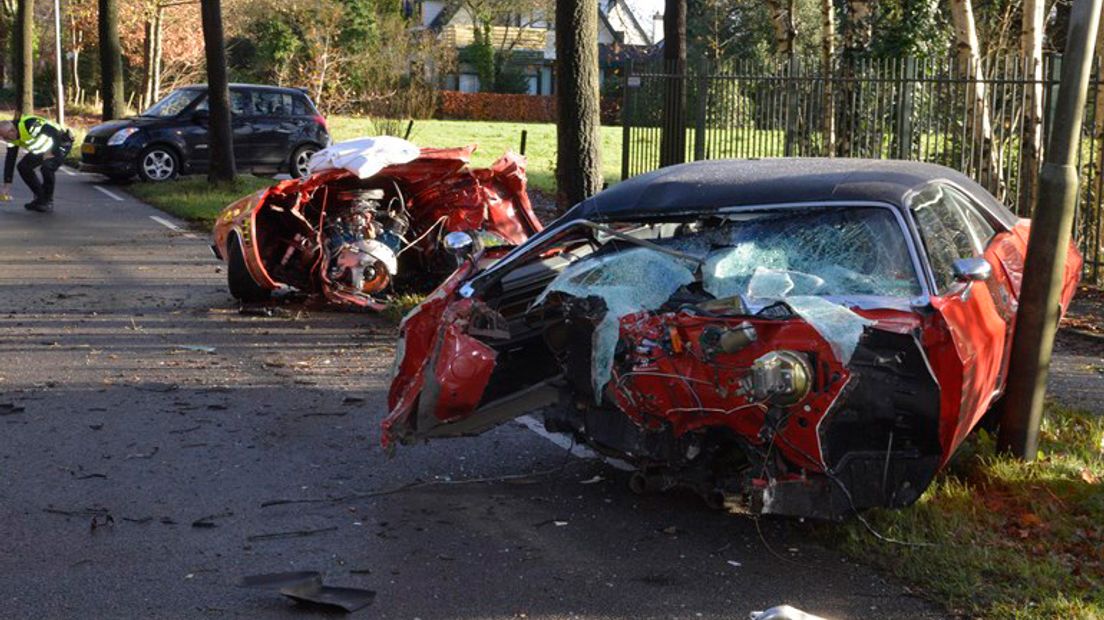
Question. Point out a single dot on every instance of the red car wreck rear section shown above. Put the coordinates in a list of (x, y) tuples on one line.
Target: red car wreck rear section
[(803, 337), (348, 240)]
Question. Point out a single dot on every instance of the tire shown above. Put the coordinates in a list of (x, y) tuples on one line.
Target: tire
[(157, 164), (297, 167), (242, 285)]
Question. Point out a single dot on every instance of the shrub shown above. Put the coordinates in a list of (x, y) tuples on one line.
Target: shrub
[(496, 107)]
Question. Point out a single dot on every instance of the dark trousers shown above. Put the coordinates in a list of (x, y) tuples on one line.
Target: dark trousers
[(43, 190)]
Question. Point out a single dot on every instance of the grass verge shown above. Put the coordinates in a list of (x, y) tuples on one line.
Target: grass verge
[(193, 198), (1007, 539)]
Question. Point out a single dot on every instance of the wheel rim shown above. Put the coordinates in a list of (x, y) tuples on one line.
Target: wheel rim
[(158, 165), (302, 160)]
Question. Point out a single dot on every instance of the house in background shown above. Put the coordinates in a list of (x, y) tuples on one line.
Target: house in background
[(633, 28)]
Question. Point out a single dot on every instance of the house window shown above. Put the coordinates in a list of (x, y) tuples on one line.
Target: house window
[(469, 83)]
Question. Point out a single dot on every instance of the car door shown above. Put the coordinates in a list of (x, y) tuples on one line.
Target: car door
[(245, 136), (978, 314), (274, 126), (199, 141)]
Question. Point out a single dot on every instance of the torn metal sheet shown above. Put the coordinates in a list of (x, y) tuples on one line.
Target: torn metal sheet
[(307, 587), (364, 157)]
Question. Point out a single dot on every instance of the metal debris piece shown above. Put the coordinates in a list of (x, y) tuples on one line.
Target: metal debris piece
[(307, 587), (291, 534), (782, 612), (11, 409), (194, 348)]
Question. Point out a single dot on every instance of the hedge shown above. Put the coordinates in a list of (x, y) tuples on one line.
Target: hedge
[(496, 107)]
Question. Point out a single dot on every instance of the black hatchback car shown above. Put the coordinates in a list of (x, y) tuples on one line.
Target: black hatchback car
[(275, 130)]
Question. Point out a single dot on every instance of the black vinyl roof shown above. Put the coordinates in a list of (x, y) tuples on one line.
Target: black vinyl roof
[(709, 185)]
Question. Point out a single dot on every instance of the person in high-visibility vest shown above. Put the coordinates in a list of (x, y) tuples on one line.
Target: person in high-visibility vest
[(46, 144)]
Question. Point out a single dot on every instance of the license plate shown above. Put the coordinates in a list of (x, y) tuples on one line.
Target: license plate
[(88, 148)]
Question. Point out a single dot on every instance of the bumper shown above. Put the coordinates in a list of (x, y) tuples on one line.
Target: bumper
[(110, 160)]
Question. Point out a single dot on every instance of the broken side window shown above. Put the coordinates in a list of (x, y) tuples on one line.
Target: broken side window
[(945, 232)]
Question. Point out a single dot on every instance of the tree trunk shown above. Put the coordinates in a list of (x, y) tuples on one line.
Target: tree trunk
[(220, 135), (1031, 43), (672, 143), (158, 38), (978, 121), (858, 30), (1096, 208), (111, 60), (785, 28), (24, 57), (827, 54), (147, 62), (578, 164)]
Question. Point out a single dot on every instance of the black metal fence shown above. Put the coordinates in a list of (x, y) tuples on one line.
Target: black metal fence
[(924, 110)]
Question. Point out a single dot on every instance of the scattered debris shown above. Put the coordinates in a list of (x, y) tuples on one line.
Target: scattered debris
[(209, 521), (291, 534), (595, 480), (194, 348), (735, 563), (352, 400), (11, 409), (307, 587), (142, 455), (97, 523), (782, 612)]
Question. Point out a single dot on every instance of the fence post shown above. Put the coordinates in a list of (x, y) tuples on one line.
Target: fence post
[(792, 69), (905, 97), (699, 124), (626, 124)]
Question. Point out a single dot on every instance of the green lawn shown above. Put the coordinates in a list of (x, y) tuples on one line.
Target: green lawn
[(1003, 539), (193, 198), (493, 139)]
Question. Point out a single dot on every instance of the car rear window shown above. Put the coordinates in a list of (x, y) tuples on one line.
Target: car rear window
[(302, 107), (271, 104)]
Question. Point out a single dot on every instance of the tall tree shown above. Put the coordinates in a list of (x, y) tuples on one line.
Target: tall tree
[(1031, 44), (827, 57), (111, 60), (672, 143), (220, 136), (23, 63), (979, 124), (785, 27), (858, 30), (578, 164)]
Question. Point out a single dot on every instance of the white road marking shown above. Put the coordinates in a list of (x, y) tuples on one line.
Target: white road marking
[(109, 193), (566, 443), (173, 227), (69, 172)]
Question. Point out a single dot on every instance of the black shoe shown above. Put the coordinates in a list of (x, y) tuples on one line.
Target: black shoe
[(32, 205), (41, 207)]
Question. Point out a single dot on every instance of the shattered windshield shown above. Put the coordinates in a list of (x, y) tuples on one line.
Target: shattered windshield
[(797, 256), (836, 252)]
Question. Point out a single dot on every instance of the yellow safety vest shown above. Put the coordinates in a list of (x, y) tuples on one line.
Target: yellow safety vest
[(36, 142)]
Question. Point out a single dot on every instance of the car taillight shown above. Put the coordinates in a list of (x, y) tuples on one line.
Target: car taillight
[(321, 120)]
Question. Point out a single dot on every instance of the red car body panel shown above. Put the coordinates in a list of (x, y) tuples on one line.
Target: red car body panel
[(438, 187)]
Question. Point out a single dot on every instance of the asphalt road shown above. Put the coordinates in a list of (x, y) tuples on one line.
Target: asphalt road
[(135, 401)]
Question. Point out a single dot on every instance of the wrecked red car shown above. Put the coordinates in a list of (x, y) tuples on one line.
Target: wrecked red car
[(350, 235), (804, 337)]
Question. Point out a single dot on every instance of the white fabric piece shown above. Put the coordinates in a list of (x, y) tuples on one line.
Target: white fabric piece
[(364, 157)]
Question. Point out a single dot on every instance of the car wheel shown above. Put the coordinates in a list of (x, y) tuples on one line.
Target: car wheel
[(299, 160), (242, 285), (158, 163)]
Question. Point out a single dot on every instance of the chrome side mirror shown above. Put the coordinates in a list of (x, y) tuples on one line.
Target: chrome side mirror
[(975, 269), (459, 244)]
